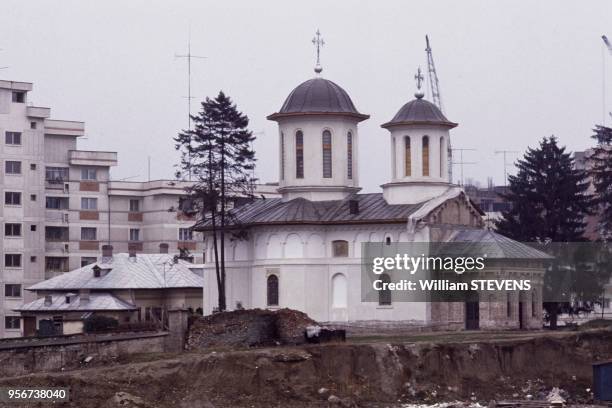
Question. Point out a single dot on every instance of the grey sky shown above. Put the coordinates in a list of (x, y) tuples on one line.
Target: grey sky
[(511, 72)]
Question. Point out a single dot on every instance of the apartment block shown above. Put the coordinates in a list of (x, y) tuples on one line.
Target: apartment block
[(60, 205)]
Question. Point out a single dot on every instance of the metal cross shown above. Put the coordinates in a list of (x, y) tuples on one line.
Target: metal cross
[(419, 78), (318, 42)]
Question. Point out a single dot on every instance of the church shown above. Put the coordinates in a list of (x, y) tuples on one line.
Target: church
[(303, 250)]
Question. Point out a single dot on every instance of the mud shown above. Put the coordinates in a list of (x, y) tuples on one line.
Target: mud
[(377, 374)]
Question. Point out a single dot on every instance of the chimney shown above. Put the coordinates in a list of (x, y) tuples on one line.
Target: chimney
[(48, 300), (353, 207), (163, 248), (107, 251), (132, 255)]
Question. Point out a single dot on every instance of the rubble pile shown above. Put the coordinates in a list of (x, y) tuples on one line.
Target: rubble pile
[(249, 328)]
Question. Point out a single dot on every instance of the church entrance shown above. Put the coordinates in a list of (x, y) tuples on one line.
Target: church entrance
[(472, 313)]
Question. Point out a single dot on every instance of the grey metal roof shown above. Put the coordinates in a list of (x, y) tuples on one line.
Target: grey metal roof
[(145, 271), (419, 112), (318, 96), (97, 301), (495, 246), (372, 209)]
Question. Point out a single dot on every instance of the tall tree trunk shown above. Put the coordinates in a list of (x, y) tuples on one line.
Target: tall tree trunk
[(220, 291), (223, 208)]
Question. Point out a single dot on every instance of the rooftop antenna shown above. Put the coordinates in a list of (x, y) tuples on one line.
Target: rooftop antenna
[(189, 56), (461, 163), (318, 42), (608, 46), (436, 97), (506, 164)]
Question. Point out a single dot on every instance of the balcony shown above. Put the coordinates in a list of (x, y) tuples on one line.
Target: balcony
[(57, 184), (92, 158), (64, 127), (38, 112), (89, 215), (56, 264), (57, 216), (57, 246)]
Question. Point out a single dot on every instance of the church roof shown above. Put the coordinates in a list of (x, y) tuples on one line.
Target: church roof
[(495, 246), (372, 209), (318, 96), (419, 112)]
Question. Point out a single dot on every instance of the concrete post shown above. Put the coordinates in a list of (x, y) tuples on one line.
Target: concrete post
[(177, 329)]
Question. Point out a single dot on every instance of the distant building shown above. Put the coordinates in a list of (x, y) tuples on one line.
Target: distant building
[(59, 204), (128, 287)]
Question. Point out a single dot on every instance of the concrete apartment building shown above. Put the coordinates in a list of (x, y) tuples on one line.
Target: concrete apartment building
[(59, 204)]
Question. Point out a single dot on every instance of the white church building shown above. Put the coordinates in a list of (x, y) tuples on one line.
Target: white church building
[(303, 250)]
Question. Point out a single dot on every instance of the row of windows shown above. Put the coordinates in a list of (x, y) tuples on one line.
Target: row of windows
[(91, 233), (61, 174), (424, 156), (326, 146), (339, 291)]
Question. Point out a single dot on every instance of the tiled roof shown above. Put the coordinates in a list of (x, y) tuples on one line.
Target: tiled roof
[(97, 301), (372, 209), (145, 271), (419, 111), (495, 246)]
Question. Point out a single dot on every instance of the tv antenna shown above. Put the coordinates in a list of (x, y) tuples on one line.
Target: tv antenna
[(506, 164), (461, 162)]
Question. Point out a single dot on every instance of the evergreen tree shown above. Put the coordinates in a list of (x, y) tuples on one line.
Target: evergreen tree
[(601, 173), (548, 195), (549, 204), (217, 156)]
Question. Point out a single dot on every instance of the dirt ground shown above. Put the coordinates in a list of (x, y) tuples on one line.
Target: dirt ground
[(388, 371)]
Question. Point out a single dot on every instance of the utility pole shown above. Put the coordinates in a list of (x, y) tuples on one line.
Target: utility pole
[(461, 163), (506, 164), (189, 56)]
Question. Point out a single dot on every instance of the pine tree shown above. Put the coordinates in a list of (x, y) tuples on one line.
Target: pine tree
[(549, 204), (549, 197), (217, 156), (601, 173)]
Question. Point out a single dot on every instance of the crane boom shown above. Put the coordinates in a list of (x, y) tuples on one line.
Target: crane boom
[(434, 83)]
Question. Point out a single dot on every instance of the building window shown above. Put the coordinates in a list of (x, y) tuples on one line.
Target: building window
[(339, 291), (272, 290), (33, 227), (442, 149), (340, 249), (88, 234), (33, 259), (508, 305), (88, 260), (12, 290), (12, 260), (32, 166), (12, 138), (88, 203), (12, 322), (425, 155), (12, 198), (56, 234), (349, 155), (32, 197), (407, 157), (88, 173), (18, 97), (299, 154), (185, 234), (56, 203), (12, 167), (56, 174), (12, 230), (134, 234), (134, 205), (33, 125), (384, 295), (56, 264), (327, 154), (282, 160)]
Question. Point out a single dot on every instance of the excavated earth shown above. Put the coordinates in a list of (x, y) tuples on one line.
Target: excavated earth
[(375, 373)]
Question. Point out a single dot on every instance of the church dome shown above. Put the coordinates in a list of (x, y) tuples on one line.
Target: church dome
[(318, 96), (419, 112)]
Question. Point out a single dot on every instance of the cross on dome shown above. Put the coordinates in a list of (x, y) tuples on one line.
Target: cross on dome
[(318, 42), (419, 80)]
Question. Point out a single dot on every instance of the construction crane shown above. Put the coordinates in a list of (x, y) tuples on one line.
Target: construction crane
[(434, 84)]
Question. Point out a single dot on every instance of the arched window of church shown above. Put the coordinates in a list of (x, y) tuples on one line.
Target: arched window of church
[(425, 155), (272, 289), (340, 248), (299, 154), (327, 154), (349, 155), (384, 295), (339, 290), (282, 160), (442, 148), (407, 157)]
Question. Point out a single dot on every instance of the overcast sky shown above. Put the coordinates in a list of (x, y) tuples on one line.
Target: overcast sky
[(511, 72)]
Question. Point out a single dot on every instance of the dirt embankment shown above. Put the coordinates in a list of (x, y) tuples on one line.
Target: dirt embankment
[(365, 375)]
